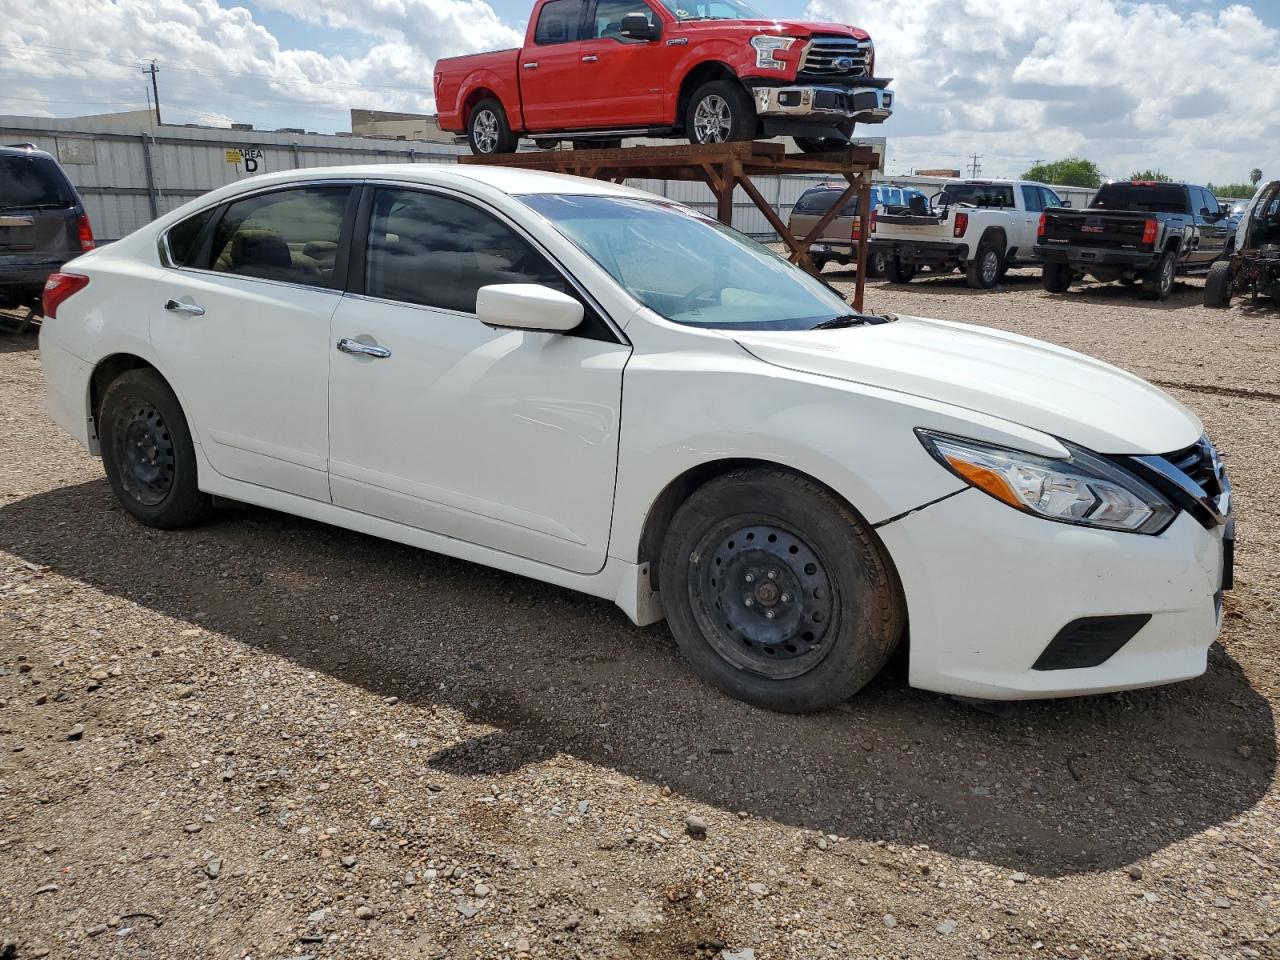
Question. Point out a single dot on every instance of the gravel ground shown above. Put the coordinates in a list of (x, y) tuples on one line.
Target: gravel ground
[(269, 738)]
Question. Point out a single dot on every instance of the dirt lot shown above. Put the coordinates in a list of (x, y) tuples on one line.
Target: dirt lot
[(268, 738)]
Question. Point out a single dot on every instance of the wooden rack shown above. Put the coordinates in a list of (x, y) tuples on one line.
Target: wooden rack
[(722, 167)]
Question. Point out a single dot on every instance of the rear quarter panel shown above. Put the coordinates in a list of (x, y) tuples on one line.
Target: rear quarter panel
[(459, 81)]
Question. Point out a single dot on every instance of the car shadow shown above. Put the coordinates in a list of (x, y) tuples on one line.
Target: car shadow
[(1051, 787), (18, 332)]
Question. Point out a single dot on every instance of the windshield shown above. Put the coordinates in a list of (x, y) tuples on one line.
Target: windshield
[(688, 268), (1144, 197), (712, 10), (980, 194)]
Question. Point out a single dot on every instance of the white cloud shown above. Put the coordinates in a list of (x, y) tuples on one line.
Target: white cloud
[(1129, 85)]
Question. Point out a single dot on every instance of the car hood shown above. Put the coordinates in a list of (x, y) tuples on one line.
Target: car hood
[(1038, 385)]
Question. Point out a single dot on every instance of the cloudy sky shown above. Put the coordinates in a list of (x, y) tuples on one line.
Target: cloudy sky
[(1190, 86)]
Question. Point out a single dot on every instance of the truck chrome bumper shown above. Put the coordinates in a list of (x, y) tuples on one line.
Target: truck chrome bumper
[(865, 104)]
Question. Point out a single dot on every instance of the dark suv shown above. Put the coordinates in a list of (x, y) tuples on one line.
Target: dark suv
[(42, 224)]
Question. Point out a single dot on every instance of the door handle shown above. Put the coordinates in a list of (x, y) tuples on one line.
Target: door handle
[(531, 65), (182, 306), (590, 58), (347, 345)]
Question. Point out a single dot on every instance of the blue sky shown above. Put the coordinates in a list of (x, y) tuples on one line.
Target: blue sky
[(1191, 87)]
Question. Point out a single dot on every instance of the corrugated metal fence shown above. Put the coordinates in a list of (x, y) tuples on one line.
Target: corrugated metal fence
[(129, 178)]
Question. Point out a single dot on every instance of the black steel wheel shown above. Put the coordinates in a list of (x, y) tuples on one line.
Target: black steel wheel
[(777, 592), (148, 453)]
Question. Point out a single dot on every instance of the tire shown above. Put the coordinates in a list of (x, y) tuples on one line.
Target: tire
[(1157, 282), (1217, 286), (147, 452), (983, 271), (897, 271), (877, 264), (844, 614), (1056, 277), (488, 131), (819, 263), (821, 144), (720, 111)]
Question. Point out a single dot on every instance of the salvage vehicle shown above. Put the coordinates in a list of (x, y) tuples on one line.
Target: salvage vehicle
[(1143, 232), (43, 223), (982, 227), (838, 242), (603, 389), (595, 71), (1254, 267)]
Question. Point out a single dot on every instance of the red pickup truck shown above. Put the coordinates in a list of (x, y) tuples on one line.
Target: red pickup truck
[(594, 71)]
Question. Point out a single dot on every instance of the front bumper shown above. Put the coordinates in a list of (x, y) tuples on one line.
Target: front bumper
[(828, 104), (988, 588), (1083, 258), (929, 253)]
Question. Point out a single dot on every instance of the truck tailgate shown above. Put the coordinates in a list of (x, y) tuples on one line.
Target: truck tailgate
[(1101, 228)]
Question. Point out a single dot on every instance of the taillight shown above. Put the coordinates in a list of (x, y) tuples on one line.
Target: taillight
[(1040, 228), (874, 217), (57, 288), (1149, 231), (856, 230), (86, 233), (962, 224)]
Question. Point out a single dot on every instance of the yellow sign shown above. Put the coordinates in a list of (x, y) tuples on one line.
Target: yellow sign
[(233, 156)]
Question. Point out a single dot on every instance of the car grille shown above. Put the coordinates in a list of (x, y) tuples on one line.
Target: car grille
[(1200, 462), (835, 58)]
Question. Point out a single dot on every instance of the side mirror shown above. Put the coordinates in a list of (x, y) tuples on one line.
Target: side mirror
[(1065, 203), (527, 306), (636, 26), (1204, 212)]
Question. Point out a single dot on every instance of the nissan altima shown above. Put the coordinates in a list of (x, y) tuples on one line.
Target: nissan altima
[(596, 387)]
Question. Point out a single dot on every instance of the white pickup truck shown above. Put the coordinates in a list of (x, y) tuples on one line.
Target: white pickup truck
[(984, 227)]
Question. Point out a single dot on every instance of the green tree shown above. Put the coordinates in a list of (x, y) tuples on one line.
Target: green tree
[(1254, 176), (1071, 172), (1157, 176), (1236, 190)]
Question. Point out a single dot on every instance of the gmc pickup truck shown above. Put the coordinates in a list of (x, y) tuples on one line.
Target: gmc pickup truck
[(594, 71), (982, 227), (1137, 231)]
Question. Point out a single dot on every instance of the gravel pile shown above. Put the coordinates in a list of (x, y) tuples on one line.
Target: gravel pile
[(269, 738)]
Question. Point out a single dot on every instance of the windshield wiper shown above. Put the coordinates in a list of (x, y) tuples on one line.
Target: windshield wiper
[(35, 206), (852, 320)]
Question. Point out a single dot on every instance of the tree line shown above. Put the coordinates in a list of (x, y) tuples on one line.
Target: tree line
[(1079, 172)]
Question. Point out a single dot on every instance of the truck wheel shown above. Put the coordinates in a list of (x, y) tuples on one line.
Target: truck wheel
[(1157, 282), (1217, 286), (488, 130), (777, 592), (1056, 277), (148, 453), (720, 111), (897, 271), (983, 271), (877, 264)]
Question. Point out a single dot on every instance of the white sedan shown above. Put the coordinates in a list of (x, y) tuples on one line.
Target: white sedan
[(596, 387)]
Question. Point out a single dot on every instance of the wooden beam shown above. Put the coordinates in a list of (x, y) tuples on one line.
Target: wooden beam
[(864, 213)]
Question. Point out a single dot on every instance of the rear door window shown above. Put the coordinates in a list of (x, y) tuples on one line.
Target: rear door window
[(288, 235), (558, 22), (33, 182), (184, 236), (1032, 198)]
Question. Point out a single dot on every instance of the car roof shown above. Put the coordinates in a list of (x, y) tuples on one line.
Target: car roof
[(23, 150)]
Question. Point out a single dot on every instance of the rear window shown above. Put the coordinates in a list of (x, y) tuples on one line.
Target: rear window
[(981, 194), (33, 182), (1148, 198), (814, 203)]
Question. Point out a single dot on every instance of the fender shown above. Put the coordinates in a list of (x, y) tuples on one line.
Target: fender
[(488, 79)]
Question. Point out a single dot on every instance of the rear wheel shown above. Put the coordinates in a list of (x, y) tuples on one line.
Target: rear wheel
[(897, 271), (877, 264), (1217, 286), (147, 452), (777, 592), (983, 271), (1056, 278), (1157, 282), (720, 111), (488, 130)]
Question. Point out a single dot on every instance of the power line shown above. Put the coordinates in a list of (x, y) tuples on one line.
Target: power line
[(975, 165)]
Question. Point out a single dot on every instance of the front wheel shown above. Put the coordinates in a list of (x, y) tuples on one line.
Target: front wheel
[(488, 130), (1157, 283), (777, 592), (1056, 278), (1217, 286), (720, 111), (148, 454)]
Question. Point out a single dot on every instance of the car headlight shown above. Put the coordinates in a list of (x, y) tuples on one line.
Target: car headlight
[(1085, 489), (766, 46)]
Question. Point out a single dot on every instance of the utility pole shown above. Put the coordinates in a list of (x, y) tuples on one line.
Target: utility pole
[(974, 166), (155, 87)]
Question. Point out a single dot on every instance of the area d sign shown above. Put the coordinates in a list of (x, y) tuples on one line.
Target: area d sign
[(251, 157)]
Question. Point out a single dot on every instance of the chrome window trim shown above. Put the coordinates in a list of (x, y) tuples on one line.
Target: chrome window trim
[(518, 229)]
